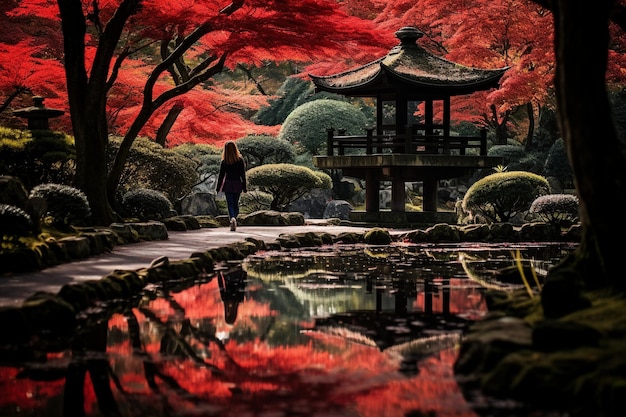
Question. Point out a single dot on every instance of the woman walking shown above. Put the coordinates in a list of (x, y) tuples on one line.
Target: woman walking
[(232, 180)]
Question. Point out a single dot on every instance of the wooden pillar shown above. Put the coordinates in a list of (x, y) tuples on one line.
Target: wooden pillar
[(372, 196), (430, 195), (398, 194), (431, 147), (446, 125), (379, 115), (401, 122)]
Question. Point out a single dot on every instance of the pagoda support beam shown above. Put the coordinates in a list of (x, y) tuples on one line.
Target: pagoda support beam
[(372, 195), (398, 194), (430, 187)]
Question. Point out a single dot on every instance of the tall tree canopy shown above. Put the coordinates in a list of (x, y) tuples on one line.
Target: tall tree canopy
[(487, 33), (128, 62)]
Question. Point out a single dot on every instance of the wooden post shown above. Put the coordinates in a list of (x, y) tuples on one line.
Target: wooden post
[(483, 141), (329, 141), (370, 133), (429, 195), (408, 139), (446, 125), (398, 195), (372, 197)]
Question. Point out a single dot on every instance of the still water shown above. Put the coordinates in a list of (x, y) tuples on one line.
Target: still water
[(344, 330)]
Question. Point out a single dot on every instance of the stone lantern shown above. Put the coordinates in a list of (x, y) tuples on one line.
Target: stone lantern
[(38, 114)]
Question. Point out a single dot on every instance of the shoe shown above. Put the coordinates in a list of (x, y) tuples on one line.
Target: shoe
[(233, 224)]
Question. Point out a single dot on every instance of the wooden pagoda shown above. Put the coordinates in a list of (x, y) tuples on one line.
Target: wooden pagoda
[(404, 147)]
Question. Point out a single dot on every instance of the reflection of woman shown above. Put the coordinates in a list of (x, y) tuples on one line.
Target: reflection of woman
[(232, 285), (232, 180)]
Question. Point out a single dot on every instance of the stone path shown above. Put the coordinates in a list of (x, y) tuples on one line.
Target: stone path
[(16, 287)]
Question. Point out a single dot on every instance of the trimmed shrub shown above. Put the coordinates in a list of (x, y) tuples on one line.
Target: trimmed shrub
[(153, 167), (14, 221), (292, 93), (501, 196), (207, 159), (557, 164), (510, 154), (255, 201), (285, 182), (146, 204), (264, 149), (65, 205), (37, 157), (307, 125), (557, 209)]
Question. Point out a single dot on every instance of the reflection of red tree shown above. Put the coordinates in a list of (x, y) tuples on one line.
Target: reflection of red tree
[(433, 390), (23, 393), (463, 300)]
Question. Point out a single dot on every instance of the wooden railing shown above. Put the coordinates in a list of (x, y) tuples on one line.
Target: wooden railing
[(409, 143)]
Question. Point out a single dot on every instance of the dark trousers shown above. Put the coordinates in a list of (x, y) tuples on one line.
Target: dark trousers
[(232, 201)]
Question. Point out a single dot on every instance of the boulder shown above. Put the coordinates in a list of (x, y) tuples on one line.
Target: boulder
[(337, 209)]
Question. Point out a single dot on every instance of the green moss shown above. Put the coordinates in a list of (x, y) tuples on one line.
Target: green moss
[(377, 236)]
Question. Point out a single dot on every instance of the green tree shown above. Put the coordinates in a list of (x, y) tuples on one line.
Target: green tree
[(286, 182), (501, 196), (557, 164), (207, 159), (37, 157), (263, 149), (150, 166), (293, 93), (307, 125)]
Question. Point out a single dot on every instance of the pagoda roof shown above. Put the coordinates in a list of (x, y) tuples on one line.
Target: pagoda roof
[(410, 69)]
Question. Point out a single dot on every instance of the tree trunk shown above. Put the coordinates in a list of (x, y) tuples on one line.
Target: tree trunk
[(596, 155), (166, 126), (88, 114), (531, 126)]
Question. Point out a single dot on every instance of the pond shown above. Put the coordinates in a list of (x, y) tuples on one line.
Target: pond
[(343, 330)]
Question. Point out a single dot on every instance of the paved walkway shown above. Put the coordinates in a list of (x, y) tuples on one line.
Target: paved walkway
[(14, 288)]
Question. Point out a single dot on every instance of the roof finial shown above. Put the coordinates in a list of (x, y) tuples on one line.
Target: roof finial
[(409, 35)]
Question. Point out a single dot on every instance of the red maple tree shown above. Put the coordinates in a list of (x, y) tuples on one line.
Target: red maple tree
[(494, 34), (143, 56)]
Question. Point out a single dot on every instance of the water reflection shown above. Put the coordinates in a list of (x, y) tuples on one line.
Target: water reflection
[(338, 331)]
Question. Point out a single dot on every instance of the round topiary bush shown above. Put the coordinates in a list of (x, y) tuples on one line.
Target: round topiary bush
[(14, 221), (558, 209), (146, 204), (65, 205), (286, 182), (501, 196), (254, 201), (557, 164), (307, 125)]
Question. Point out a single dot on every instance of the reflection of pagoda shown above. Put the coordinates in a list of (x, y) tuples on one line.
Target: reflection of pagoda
[(401, 149)]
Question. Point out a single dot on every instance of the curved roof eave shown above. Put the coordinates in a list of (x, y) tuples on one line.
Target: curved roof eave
[(471, 85), (335, 84)]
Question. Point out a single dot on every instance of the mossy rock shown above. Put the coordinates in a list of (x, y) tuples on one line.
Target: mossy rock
[(50, 314), (377, 236), (245, 248), (184, 269), (349, 238), (175, 224), (77, 295), (20, 260), (443, 232), (260, 244), (205, 260), (15, 326), (474, 232)]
